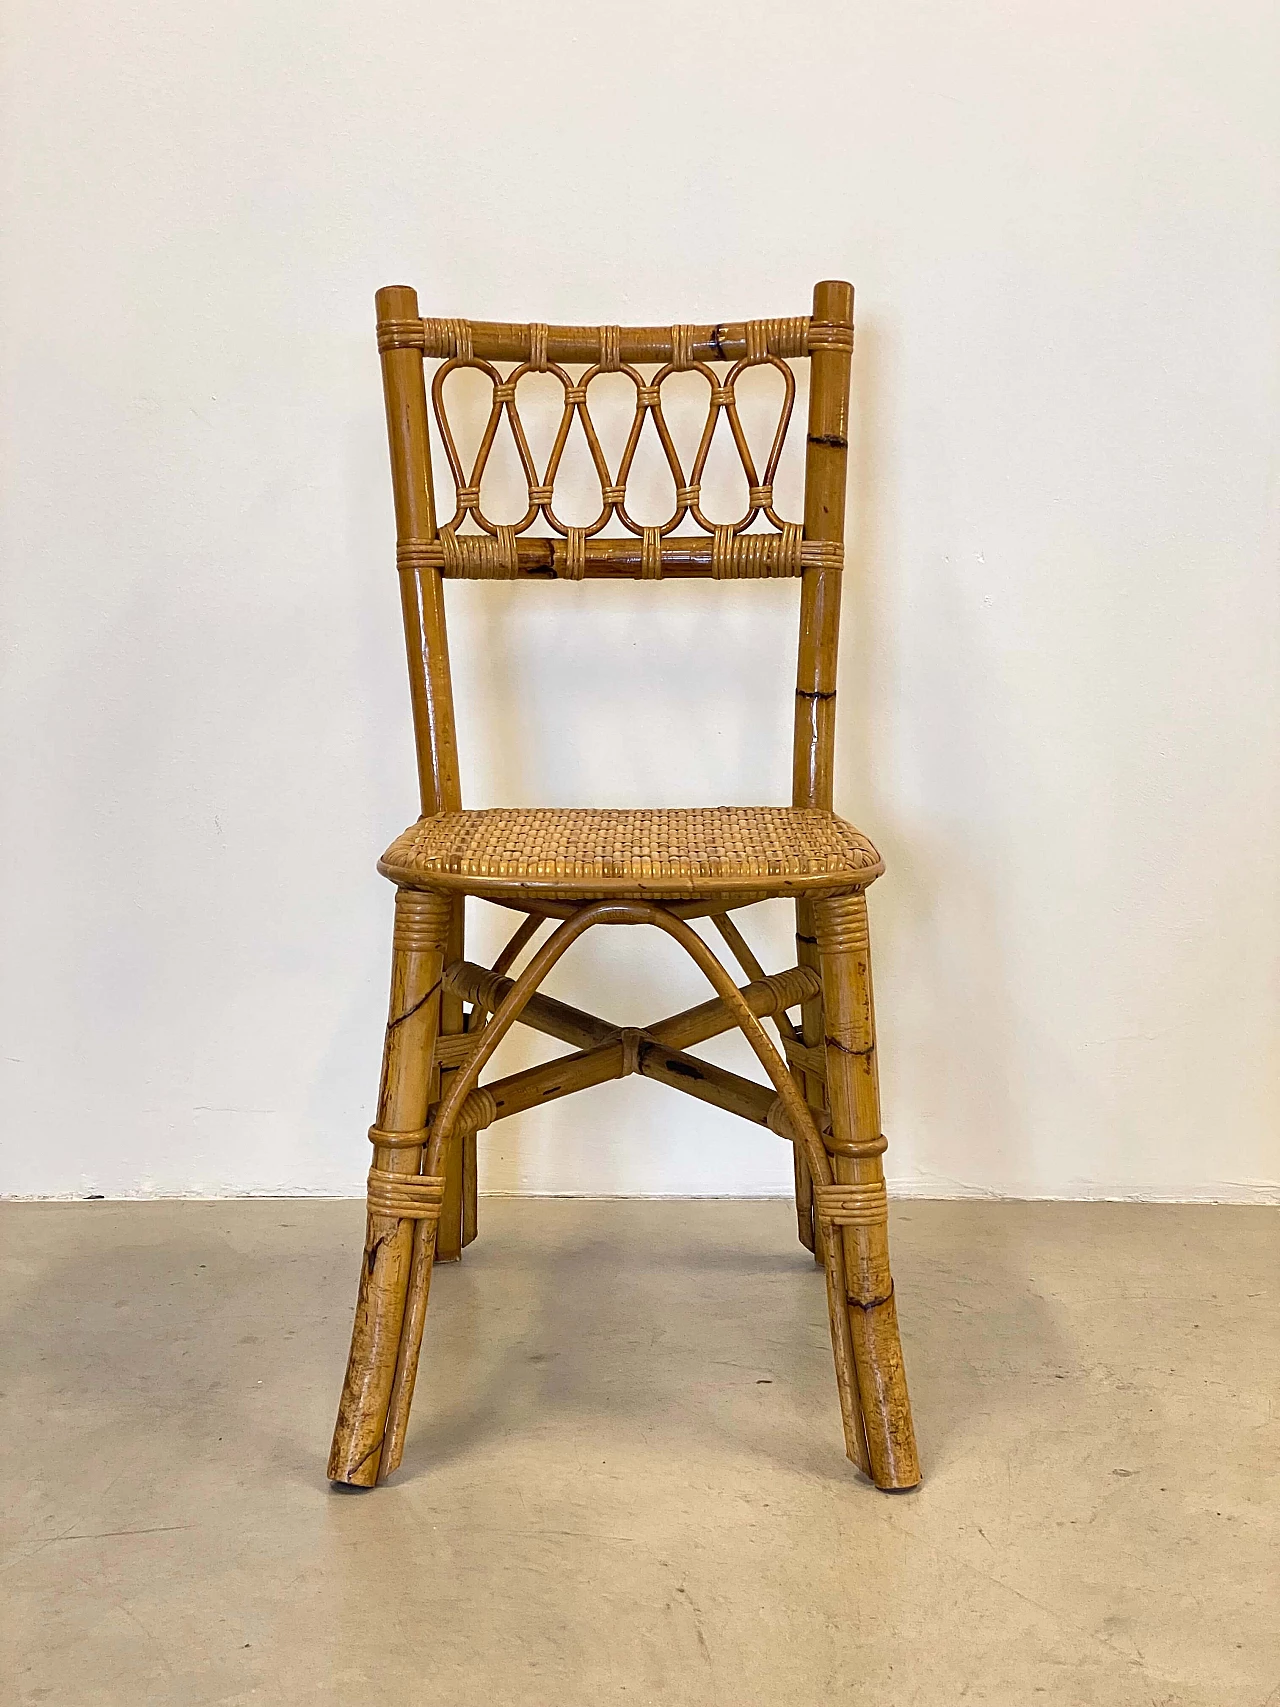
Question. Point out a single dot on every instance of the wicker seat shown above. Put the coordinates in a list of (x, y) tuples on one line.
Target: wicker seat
[(589, 867), (575, 855)]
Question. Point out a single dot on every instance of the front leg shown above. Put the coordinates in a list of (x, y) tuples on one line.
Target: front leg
[(408, 1069), (856, 1207)]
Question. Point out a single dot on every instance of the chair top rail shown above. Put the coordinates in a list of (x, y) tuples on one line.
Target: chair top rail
[(611, 347)]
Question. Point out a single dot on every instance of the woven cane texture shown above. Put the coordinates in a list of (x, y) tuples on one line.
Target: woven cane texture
[(567, 853)]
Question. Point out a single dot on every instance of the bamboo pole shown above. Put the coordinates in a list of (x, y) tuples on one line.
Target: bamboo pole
[(430, 684), (542, 558), (812, 1087), (856, 1146), (826, 475), (421, 592), (418, 946), (767, 996), (813, 762), (512, 341), (458, 1213), (738, 946), (487, 991), (514, 947), (535, 1086)]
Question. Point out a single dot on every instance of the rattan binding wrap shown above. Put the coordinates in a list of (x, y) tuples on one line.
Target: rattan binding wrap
[(862, 1205), (416, 1197), (499, 341), (752, 556)]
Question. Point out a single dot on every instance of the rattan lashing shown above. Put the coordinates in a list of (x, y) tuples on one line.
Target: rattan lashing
[(589, 867)]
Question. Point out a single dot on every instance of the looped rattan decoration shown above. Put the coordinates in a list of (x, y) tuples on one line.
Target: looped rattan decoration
[(758, 544)]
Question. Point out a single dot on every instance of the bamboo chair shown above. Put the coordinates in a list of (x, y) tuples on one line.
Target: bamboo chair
[(587, 868)]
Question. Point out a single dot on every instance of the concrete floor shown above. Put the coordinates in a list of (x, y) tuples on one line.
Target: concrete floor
[(624, 1480)]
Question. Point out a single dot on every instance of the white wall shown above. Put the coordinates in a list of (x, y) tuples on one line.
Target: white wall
[(1061, 685)]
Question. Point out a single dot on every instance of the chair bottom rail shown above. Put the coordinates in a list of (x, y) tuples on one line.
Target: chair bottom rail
[(608, 1051)]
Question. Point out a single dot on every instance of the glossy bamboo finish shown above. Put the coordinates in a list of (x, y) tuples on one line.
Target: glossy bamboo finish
[(458, 1213), (586, 868), (499, 341), (421, 595)]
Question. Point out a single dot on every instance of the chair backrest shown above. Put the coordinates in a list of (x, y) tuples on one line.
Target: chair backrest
[(759, 544)]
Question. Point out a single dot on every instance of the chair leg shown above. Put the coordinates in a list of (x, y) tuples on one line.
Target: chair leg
[(811, 1089), (406, 1094), (451, 1235), (856, 1208)]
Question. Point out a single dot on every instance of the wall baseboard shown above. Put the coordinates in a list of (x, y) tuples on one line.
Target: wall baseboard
[(1258, 1194)]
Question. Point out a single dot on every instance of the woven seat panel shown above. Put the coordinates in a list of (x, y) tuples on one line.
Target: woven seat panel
[(569, 853)]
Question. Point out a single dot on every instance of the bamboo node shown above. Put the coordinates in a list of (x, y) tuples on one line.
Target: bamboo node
[(864, 1204), (412, 1197)]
